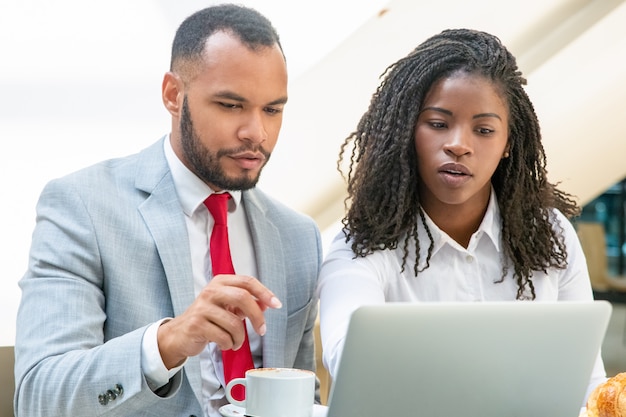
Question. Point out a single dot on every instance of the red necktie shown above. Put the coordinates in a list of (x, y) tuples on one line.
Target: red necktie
[(236, 362)]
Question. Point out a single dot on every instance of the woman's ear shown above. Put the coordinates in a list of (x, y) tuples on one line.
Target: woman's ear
[(506, 154), (172, 93)]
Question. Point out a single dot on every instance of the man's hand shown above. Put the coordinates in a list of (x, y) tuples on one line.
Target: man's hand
[(216, 316)]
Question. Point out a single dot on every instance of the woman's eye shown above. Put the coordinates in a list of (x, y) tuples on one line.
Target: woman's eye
[(438, 125), (484, 130)]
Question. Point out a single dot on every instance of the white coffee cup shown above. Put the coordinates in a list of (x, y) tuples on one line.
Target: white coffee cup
[(276, 392)]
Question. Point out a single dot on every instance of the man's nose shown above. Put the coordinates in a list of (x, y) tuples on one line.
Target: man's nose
[(253, 129)]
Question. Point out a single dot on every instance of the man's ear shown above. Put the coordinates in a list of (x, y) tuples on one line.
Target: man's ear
[(172, 93)]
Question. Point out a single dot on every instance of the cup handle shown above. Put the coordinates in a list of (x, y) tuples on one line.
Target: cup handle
[(229, 387)]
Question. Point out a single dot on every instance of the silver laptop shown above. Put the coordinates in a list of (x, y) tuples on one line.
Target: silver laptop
[(522, 359)]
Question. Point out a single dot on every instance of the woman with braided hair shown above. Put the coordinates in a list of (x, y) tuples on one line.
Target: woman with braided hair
[(448, 197)]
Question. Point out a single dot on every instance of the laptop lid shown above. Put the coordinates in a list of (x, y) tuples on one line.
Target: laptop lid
[(488, 359)]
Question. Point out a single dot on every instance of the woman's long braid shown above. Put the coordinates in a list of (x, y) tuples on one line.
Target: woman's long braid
[(382, 176)]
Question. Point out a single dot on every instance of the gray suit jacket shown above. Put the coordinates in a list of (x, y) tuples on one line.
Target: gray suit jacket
[(109, 256)]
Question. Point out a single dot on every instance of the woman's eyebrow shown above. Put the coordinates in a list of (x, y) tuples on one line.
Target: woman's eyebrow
[(437, 109), (486, 115), (448, 112)]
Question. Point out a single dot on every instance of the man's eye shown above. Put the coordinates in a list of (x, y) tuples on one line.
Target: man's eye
[(272, 110), (229, 105)]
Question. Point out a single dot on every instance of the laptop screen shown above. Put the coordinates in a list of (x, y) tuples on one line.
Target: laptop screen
[(490, 359)]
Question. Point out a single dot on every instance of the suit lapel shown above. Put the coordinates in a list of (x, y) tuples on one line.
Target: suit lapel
[(271, 274), (165, 219)]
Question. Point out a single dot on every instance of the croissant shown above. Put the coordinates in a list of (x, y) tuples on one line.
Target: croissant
[(608, 399)]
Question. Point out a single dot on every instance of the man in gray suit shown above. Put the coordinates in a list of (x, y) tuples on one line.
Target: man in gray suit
[(120, 312)]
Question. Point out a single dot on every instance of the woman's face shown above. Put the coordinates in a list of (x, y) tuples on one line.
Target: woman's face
[(460, 136)]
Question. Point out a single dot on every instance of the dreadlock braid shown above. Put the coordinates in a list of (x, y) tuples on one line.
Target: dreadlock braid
[(383, 201)]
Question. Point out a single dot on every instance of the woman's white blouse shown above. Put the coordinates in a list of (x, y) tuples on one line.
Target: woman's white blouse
[(454, 274)]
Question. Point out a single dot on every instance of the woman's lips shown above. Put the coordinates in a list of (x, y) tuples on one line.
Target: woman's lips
[(454, 174)]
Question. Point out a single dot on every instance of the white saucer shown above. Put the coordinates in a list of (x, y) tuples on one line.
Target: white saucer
[(230, 410)]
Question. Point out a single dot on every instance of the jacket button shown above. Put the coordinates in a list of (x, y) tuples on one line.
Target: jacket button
[(111, 395), (118, 390), (103, 399)]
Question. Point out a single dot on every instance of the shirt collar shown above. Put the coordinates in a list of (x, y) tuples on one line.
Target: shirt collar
[(192, 191), (489, 226), (492, 223)]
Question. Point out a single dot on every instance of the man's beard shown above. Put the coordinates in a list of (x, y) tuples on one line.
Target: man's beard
[(206, 164)]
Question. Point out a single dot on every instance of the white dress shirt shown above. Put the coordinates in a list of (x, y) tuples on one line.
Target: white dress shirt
[(455, 274), (192, 192)]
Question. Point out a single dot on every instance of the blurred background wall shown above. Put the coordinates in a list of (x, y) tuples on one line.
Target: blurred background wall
[(80, 82)]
